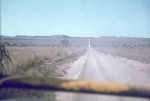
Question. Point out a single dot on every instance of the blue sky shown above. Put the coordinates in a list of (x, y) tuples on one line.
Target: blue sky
[(76, 17)]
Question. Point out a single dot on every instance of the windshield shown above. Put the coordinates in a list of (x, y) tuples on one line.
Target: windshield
[(89, 40)]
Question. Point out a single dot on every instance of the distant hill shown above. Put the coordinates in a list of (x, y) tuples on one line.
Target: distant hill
[(54, 40), (25, 36)]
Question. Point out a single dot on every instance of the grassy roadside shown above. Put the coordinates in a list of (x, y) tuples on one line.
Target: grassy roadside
[(141, 54), (136, 57), (37, 61)]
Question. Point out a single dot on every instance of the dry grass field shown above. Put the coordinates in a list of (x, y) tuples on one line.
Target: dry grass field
[(38, 61), (141, 54), (44, 57)]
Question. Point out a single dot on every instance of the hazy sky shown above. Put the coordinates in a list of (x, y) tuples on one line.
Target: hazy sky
[(76, 17)]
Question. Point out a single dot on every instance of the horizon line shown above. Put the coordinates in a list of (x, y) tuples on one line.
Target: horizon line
[(73, 36)]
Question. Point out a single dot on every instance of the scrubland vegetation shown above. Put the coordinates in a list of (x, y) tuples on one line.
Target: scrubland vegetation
[(131, 48), (23, 58), (141, 54), (46, 56), (38, 61), (134, 52)]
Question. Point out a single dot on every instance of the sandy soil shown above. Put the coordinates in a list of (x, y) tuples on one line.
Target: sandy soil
[(72, 73)]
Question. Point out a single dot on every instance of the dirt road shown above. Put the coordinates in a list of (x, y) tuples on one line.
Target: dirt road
[(96, 66)]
